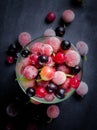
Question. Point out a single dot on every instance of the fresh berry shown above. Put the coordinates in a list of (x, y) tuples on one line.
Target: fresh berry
[(50, 61), (10, 59), (49, 97), (11, 110), (26, 61), (54, 42), (34, 59), (63, 68), (47, 73), (53, 111), (42, 59), (12, 49), (24, 38), (49, 32), (68, 16), (30, 91), (40, 91), (50, 17), (60, 93), (60, 31), (82, 90), (59, 58), (74, 82), (30, 72), (72, 58), (59, 77), (82, 48), (25, 53), (51, 87), (65, 45), (66, 84), (76, 69)]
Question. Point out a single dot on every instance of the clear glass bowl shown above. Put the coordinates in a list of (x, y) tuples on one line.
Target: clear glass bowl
[(19, 75)]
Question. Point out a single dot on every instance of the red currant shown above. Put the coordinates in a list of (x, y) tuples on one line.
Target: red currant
[(74, 82), (59, 58), (50, 17), (10, 59), (40, 92)]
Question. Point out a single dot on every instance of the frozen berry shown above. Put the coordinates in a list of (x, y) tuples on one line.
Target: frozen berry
[(63, 68), (82, 90), (51, 87), (68, 16), (60, 93), (59, 58), (25, 53), (24, 38), (30, 91), (54, 42), (60, 31), (76, 69), (65, 45), (59, 77), (49, 97), (42, 59), (50, 17), (26, 61), (74, 82), (40, 91), (49, 32), (10, 59), (53, 111)]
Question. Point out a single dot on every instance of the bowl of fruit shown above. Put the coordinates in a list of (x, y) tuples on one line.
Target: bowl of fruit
[(49, 69)]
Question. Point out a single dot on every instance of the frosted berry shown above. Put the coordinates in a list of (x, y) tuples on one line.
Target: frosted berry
[(68, 16), (63, 68), (60, 31), (59, 58), (82, 90), (60, 93), (10, 59), (49, 97), (51, 87), (24, 38), (49, 32), (53, 111), (65, 45), (74, 82), (40, 91), (30, 91), (50, 17), (76, 69)]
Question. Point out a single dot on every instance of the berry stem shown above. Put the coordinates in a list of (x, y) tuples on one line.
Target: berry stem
[(85, 58), (69, 75)]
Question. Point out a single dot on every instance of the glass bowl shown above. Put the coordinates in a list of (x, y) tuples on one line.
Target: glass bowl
[(19, 75)]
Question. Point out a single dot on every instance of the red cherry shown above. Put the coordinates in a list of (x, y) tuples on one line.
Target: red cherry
[(59, 58), (10, 59), (33, 58), (74, 82), (40, 92), (50, 17)]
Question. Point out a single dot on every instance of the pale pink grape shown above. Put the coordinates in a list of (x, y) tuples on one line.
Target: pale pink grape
[(72, 58), (42, 83), (50, 61), (59, 77), (49, 32), (26, 61), (63, 68), (82, 47), (54, 42), (49, 97), (24, 38), (53, 111), (82, 90), (65, 85), (68, 16), (30, 72)]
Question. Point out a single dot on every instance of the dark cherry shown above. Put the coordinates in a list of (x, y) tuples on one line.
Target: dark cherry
[(60, 31), (25, 53), (30, 91), (10, 59), (65, 45), (42, 59), (50, 17), (51, 87), (60, 93), (76, 69)]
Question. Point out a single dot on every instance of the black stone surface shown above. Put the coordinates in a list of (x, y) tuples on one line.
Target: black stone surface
[(17, 16)]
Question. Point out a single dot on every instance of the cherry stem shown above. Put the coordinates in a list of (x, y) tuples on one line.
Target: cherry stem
[(69, 75)]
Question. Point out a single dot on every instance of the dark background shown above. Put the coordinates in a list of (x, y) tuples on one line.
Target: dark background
[(17, 16)]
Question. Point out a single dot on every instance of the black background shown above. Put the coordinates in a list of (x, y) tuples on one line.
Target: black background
[(17, 16)]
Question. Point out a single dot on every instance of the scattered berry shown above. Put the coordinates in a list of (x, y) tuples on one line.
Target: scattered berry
[(50, 17), (59, 58), (65, 45), (68, 16), (30, 91), (24, 38), (72, 58), (49, 32), (53, 111), (10, 59), (60, 31), (60, 93), (59, 77), (82, 90), (51, 87), (40, 91)]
